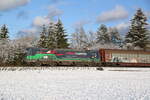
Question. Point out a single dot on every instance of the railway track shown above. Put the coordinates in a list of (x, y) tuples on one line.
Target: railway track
[(46, 68), (21, 68)]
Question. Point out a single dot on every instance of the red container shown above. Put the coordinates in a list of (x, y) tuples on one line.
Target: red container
[(115, 57)]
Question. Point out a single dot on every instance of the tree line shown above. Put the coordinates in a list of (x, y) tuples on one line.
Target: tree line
[(103, 36), (138, 36), (54, 36)]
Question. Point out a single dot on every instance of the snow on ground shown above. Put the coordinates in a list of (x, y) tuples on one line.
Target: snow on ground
[(74, 85)]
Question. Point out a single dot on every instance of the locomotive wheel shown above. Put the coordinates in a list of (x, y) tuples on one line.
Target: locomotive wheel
[(38, 64), (52, 64)]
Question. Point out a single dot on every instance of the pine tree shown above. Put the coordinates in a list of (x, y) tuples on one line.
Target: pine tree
[(4, 32), (138, 34), (103, 35), (19, 55), (43, 38), (61, 40), (51, 38), (115, 37)]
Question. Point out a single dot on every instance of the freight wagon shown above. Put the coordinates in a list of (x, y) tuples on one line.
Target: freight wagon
[(133, 58)]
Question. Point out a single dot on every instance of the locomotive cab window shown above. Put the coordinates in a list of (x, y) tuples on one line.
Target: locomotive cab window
[(32, 51)]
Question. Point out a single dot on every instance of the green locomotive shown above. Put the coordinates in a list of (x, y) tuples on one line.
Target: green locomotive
[(42, 56)]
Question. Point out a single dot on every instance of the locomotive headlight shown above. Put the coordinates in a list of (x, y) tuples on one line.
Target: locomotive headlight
[(45, 57)]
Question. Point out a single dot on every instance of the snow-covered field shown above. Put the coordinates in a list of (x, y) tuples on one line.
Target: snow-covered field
[(74, 85)]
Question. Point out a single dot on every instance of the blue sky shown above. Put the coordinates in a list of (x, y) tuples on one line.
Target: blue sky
[(26, 16)]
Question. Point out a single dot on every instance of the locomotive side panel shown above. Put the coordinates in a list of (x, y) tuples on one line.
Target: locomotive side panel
[(75, 57), (63, 57)]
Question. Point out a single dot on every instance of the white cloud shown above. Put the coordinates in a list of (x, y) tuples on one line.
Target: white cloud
[(148, 26), (54, 11), (31, 30), (147, 14), (36, 27), (81, 23), (28, 32), (123, 27), (56, 1), (115, 14), (9, 4), (40, 21)]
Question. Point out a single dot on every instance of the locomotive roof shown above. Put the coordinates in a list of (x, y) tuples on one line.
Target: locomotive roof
[(58, 49)]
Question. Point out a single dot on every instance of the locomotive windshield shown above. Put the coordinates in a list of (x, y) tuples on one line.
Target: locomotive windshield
[(33, 51)]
